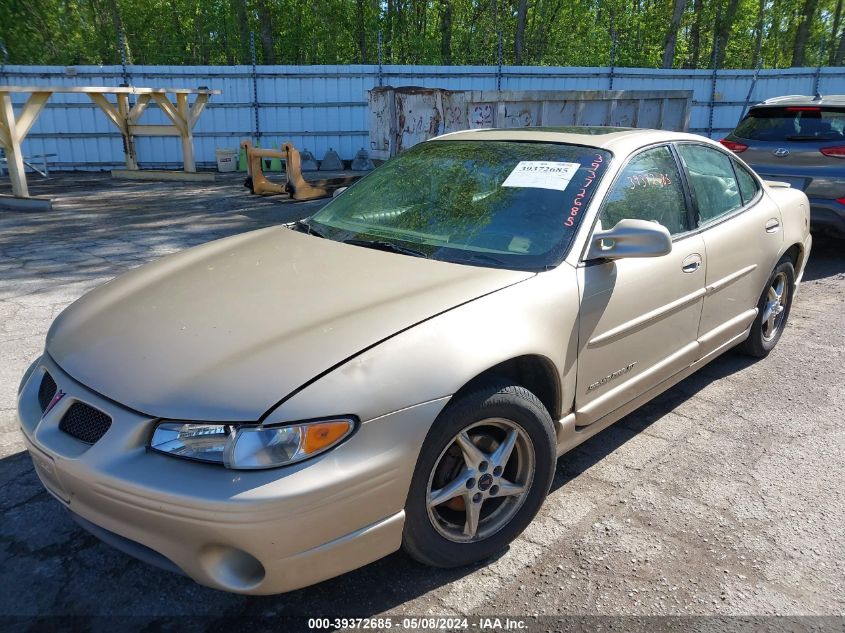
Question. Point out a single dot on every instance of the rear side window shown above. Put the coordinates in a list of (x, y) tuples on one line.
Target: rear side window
[(747, 185), (649, 188), (793, 123), (714, 184)]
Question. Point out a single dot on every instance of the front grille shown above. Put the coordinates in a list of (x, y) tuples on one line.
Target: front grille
[(85, 422), (46, 391)]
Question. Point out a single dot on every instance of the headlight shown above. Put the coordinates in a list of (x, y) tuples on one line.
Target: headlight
[(249, 447)]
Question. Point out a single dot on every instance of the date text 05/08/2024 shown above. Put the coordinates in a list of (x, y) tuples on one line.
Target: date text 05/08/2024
[(419, 624)]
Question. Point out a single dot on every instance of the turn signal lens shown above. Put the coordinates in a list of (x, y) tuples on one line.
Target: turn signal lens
[(735, 147), (249, 447), (322, 435), (836, 152)]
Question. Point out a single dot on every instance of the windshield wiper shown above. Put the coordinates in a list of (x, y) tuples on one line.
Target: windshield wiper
[(304, 227), (483, 257), (381, 245)]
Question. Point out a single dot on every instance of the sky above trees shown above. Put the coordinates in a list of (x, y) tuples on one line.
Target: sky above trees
[(638, 33)]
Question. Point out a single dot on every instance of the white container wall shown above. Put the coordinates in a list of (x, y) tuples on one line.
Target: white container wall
[(322, 107)]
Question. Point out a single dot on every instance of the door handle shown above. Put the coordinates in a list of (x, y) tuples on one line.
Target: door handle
[(773, 226), (691, 263)]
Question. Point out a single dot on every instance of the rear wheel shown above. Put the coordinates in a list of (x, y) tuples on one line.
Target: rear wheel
[(482, 474), (772, 311)]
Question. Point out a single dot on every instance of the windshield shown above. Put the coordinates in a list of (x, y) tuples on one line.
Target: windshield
[(795, 123), (488, 203)]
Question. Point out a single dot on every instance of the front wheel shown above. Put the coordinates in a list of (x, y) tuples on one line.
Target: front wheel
[(772, 311), (482, 474)]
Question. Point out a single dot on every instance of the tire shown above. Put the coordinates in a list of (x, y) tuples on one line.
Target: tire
[(767, 328), (493, 416)]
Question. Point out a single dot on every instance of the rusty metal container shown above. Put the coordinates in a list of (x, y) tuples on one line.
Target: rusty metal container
[(402, 117)]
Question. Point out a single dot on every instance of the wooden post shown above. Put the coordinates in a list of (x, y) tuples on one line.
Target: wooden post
[(187, 133), (10, 140), (116, 116), (179, 116), (128, 139), (13, 132)]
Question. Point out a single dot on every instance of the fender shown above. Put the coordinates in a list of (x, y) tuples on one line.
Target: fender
[(527, 318)]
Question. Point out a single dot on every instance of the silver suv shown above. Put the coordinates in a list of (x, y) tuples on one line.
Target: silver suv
[(799, 140)]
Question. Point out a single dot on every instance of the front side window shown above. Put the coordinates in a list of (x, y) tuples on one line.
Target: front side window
[(649, 188), (713, 182), (488, 203)]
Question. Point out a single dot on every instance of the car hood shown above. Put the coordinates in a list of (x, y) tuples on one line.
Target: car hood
[(225, 330)]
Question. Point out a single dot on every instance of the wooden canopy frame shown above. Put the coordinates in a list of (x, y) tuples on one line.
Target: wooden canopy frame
[(183, 117)]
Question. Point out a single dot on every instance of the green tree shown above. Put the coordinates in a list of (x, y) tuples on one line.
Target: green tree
[(647, 33)]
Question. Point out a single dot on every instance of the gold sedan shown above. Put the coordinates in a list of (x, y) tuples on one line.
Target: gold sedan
[(403, 368)]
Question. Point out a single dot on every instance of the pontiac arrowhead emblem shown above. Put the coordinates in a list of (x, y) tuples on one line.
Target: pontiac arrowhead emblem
[(59, 395)]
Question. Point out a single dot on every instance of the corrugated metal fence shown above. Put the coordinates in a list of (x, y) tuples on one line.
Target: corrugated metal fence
[(322, 107)]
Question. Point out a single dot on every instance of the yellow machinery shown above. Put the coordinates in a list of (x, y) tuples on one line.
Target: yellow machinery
[(295, 185)]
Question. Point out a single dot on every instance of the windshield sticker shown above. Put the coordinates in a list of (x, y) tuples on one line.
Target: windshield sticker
[(582, 192), (541, 174)]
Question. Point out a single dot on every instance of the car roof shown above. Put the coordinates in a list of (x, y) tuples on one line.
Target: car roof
[(802, 100), (615, 139)]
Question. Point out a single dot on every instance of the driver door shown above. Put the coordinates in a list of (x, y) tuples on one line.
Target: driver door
[(639, 317)]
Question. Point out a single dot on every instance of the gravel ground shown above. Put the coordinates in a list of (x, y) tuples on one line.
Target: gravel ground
[(722, 497)]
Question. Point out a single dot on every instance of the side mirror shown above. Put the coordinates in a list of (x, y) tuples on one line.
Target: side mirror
[(630, 238)]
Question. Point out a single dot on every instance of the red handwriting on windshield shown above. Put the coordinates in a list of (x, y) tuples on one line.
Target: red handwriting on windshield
[(582, 193)]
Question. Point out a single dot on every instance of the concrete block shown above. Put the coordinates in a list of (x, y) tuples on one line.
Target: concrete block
[(14, 203), (362, 161), (308, 162), (162, 174), (331, 162)]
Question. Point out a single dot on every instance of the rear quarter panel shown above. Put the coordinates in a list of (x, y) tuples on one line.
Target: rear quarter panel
[(795, 216)]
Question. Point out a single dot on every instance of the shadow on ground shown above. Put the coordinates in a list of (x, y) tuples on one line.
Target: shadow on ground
[(827, 258), (99, 227)]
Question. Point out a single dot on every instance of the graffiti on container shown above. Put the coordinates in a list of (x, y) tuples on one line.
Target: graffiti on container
[(454, 116), (482, 116), (523, 119), (419, 127)]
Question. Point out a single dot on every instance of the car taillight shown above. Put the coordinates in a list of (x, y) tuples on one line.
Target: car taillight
[(836, 152), (735, 147), (841, 200)]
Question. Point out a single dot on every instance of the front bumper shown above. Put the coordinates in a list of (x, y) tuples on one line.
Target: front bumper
[(258, 532)]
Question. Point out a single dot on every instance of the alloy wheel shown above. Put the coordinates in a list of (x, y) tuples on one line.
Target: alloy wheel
[(480, 480), (774, 310)]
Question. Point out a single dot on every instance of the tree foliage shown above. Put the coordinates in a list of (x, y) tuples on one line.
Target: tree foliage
[(642, 33)]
